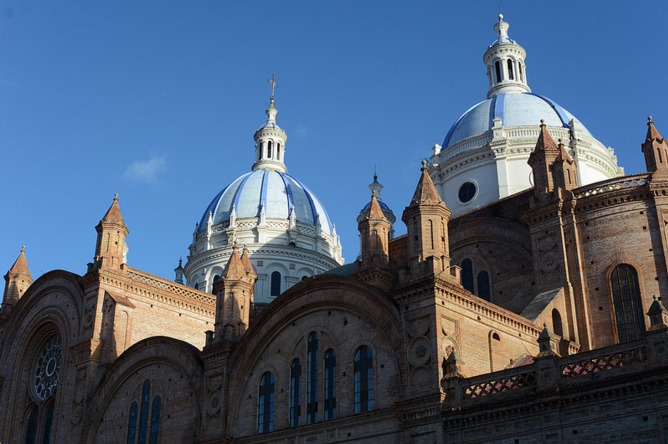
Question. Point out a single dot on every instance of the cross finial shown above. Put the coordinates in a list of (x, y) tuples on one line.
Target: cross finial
[(273, 84)]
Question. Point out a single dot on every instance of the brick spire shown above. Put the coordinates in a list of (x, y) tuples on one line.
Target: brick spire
[(375, 236), (655, 150), (564, 169), (541, 159), (235, 267), (248, 266), (110, 249), (17, 281), (426, 220)]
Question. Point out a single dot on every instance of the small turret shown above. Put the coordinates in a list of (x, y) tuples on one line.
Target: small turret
[(270, 139), (426, 220), (564, 169), (234, 298), (506, 71), (111, 250), (375, 236), (17, 281), (178, 271), (655, 150), (541, 160)]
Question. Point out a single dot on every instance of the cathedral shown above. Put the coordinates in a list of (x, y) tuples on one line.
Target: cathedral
[(523, 304)]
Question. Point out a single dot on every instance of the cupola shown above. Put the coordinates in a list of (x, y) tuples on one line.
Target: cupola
[(270, 139), (506, 71)]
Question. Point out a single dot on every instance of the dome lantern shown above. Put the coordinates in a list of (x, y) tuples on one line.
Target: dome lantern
[(506, 71), (270, 139)]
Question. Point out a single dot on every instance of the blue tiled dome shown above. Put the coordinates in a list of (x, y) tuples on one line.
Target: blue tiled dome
[(514, 109), (277, 192)]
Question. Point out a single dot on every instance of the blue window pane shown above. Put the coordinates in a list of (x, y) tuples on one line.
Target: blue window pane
[(330, 384), (628, 305), (363, 367), (295, 393), (483, 286), (155, 420), (265, 408), (312, 379), (275, 283), (467, 274), (143, 416), (132, 423), (31, 427)]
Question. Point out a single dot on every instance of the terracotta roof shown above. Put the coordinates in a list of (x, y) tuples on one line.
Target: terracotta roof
[(21, 264), (235, 267), (426, 193), (113, 214)]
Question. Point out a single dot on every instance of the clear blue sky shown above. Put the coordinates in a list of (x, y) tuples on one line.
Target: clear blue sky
[(158, 101)]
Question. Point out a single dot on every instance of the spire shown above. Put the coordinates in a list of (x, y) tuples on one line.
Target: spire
[(541, 160), (17, 280), (235, 267), (270, 139), (426, 219), (110, 249), (564, 169), (375, 212), (178, 278), (506, 71), (655, 150), (246, 262), (425, 192), (375, 237)]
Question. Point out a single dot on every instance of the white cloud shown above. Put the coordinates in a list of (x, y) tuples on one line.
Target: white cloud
[(146, 171)]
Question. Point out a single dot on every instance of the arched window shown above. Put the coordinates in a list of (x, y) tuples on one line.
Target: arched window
[(467, 274), (260, 147), (265, 404), (145, 431), (363, 368), (312, 379), (483, 285), (519, 67), (278, 151), (270, 145), (628, 305), (196, 287), (32, 426), (275, 283), (44, 378), (216, 278), (330, 384), (556, 323), (511, 75), (132, 423), (497, 66), (295, 393)]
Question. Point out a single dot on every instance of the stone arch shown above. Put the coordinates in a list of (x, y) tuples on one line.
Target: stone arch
[(175, 368), (51, 306), (338, 305)]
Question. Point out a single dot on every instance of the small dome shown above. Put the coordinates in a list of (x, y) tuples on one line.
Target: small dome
[(514, 109), (275, 192)]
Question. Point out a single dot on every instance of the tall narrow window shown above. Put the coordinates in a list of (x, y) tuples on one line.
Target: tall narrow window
[(497, 66), (155, 420), (511, 75), (628, 305), (556, 323), (483, 286), (330, 384), (363, 368), (265, 404), (467, 274), (260, 147), (278, 151), (295, 393), (132, 423), (275, 283), (31, 426), (143, 415), (312, 379), (519, 67), (48, 422), (269, 149)]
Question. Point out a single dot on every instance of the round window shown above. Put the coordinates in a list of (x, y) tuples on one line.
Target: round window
[(47, 368), (467, 192)]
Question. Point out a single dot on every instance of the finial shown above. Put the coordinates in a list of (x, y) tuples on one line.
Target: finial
[(180, 261), (654, 297), (542, 122), (649, 120), (544, 324), (424, 163), (273, 84), (559, 140), (115, 196), (500, 18), (23, 249)]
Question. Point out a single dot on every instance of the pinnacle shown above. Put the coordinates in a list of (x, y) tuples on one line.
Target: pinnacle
[(652, 132), (235, 267), (21, 264), (425, 192), (113, 214), (545, 141), (375, 212), (246, 262), (563, 153)]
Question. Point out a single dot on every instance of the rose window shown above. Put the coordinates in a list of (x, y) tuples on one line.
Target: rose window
[(47, 368)]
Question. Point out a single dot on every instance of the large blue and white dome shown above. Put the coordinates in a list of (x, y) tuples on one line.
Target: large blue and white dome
[(485, 152), (275, 193), (285, 228), (514, 110)]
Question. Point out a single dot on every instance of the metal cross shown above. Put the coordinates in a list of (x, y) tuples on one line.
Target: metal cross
[(273, 84)]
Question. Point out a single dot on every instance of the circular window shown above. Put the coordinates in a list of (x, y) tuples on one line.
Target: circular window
[(47, 368), (467, 192)]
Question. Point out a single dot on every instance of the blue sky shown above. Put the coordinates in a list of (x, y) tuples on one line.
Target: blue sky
[(158, 101)]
